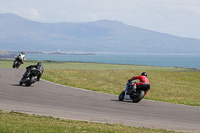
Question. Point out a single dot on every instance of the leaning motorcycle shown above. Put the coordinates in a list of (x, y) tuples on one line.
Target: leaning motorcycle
[(136, 95), (29, 77), (16, 63)]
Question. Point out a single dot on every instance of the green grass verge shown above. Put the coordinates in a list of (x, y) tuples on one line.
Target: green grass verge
[(15, 122), (174, 85)]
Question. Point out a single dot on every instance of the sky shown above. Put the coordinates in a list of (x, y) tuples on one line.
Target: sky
[(175, 17)]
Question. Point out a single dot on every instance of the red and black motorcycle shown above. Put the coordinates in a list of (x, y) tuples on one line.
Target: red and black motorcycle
[(134, 94)]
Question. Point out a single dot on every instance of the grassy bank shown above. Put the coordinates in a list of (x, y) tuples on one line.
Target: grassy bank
[(15, 122), (175, 85)]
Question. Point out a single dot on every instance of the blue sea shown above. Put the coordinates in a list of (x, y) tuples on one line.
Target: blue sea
[(186, 61)]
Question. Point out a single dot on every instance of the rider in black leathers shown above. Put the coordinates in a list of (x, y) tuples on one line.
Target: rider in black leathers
[(38, 67)]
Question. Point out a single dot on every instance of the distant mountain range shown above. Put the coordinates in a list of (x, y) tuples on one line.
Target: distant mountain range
[(17, 33)]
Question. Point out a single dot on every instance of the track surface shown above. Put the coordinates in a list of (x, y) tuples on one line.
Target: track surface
[(45, 98)]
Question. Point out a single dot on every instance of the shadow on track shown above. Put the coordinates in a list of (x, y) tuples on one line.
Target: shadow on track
[(127, 101), (20, 85)]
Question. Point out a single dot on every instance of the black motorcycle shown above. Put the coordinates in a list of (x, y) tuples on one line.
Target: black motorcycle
[(134, 95), (16, 63), (29, 77)]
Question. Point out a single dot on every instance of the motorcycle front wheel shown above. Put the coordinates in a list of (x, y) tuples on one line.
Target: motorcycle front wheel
[(14, 64), (121, 96), (20, 82)]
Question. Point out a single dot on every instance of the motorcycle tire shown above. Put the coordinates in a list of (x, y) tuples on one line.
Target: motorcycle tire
[(14, 64), (139, 97), (20, 82), (121, 96), (30, 81)]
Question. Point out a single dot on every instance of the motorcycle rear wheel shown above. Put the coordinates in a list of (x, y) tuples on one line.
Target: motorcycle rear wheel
[(139, 97), (30, 81)]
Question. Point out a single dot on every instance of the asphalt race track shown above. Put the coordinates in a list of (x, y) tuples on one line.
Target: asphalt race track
[(49, 99)]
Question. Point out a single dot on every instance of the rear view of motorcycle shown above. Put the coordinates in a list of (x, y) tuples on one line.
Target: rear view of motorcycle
[(137, 94), (16, 63), (19, 60), (29, 77)]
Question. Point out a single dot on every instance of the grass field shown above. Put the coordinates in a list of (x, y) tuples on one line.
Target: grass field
[(15, 122), (175, 85)]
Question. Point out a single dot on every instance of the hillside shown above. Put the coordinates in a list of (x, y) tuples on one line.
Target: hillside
[(17, 33)]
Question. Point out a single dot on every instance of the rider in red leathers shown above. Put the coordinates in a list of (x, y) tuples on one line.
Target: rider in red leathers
[(143, 80)]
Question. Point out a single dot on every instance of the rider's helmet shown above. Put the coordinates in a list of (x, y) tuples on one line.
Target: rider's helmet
[(144, 74), (39, 64), (22, 52)]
